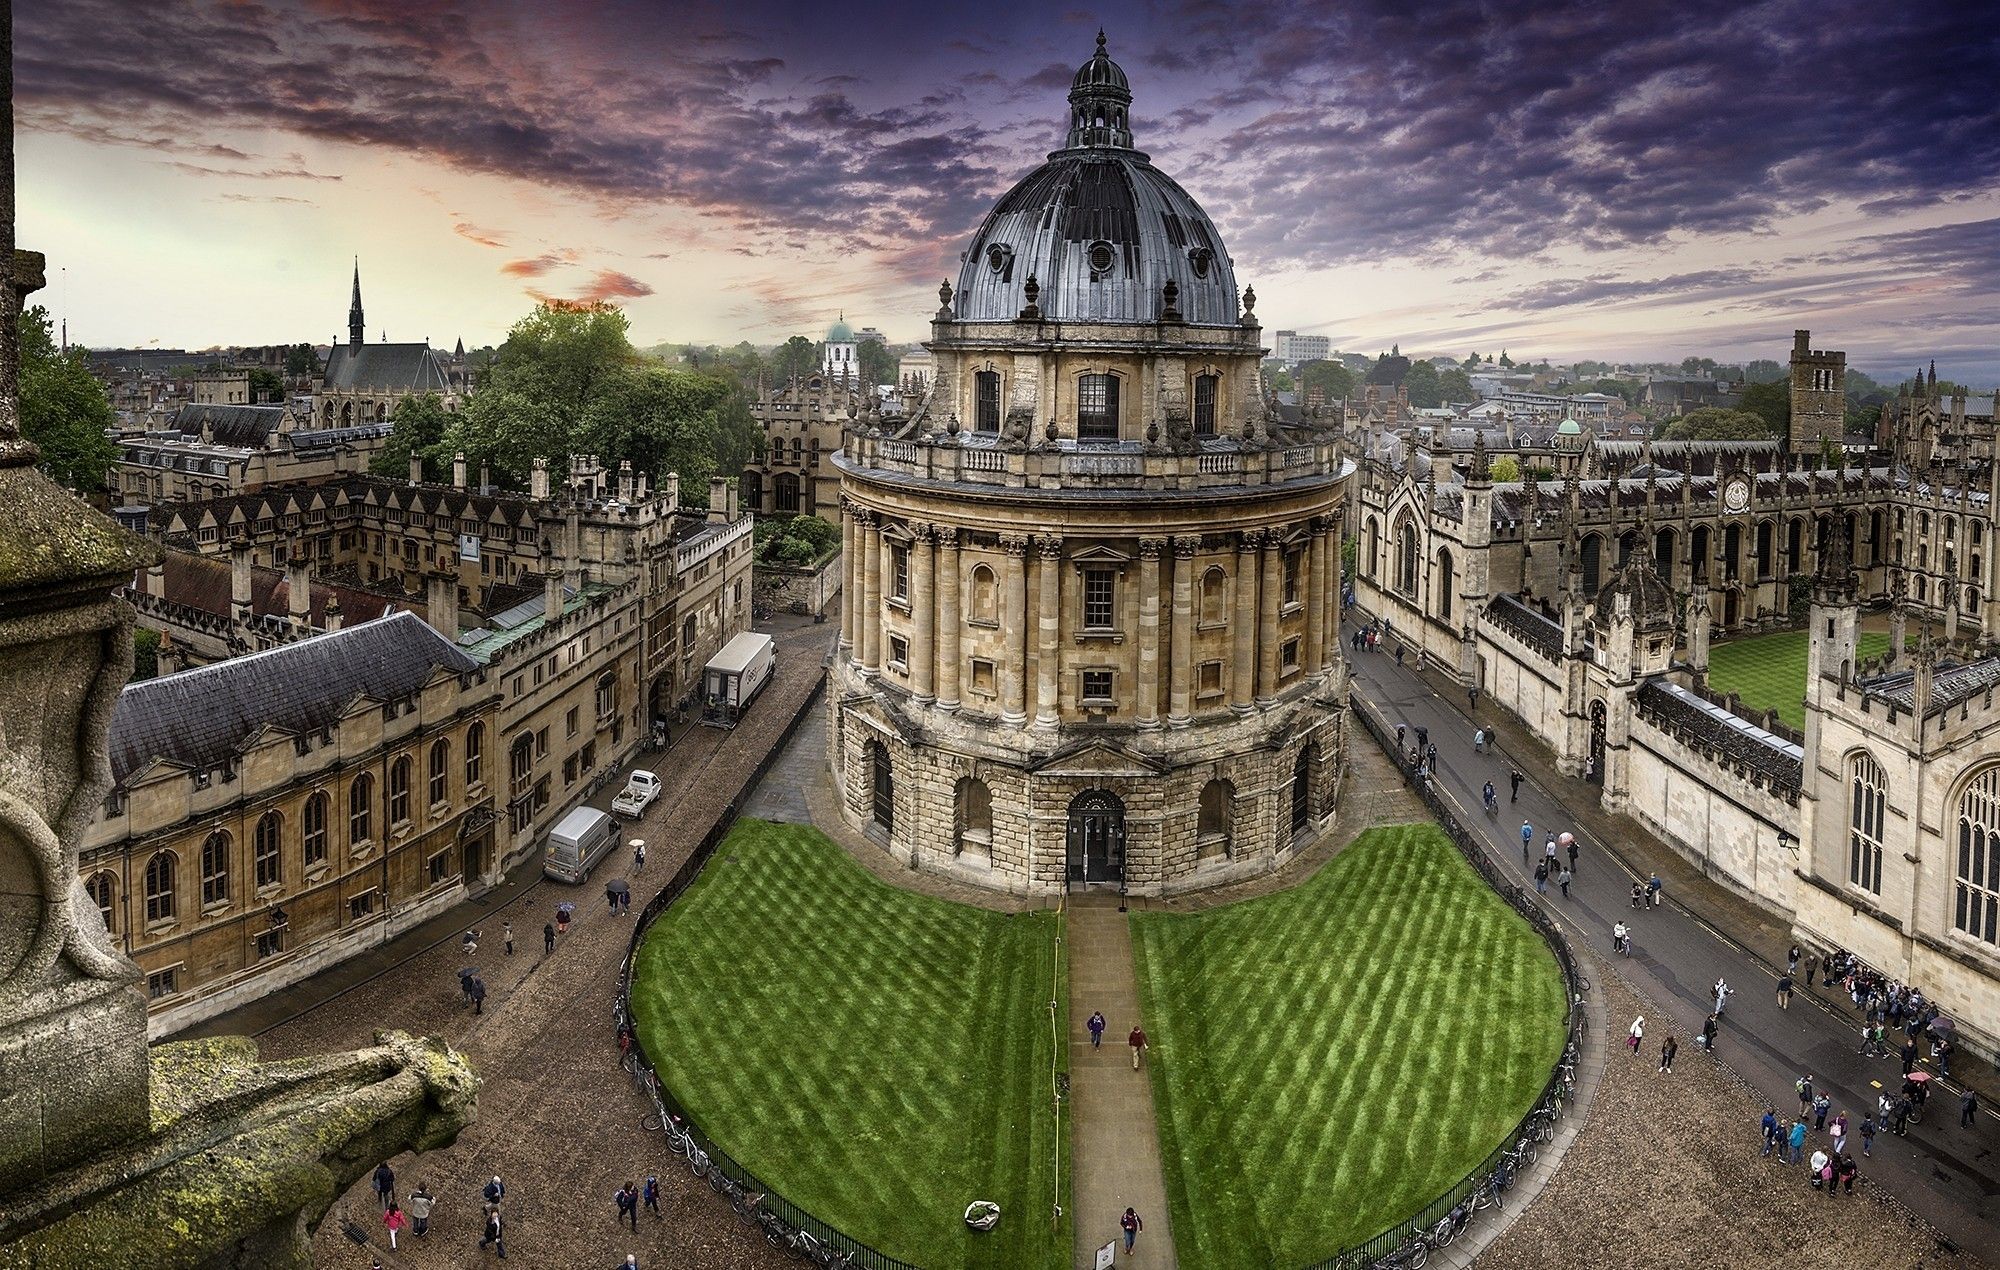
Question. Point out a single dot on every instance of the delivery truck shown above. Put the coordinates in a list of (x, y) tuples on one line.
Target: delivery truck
[(733, 677)]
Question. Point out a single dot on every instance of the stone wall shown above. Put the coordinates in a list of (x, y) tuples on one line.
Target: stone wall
[(786, 589), (1724, 824)]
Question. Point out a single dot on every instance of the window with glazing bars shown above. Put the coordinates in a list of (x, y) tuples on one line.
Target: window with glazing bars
[(1098, 594), (988, 403), (1097, 408)]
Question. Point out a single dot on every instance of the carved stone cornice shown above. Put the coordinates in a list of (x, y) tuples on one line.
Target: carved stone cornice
[(1150, 548)]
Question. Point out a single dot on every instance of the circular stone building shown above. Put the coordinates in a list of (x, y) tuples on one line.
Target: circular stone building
[(1091, 634)]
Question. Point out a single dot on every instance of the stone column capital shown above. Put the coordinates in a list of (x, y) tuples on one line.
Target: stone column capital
[(1250, 541), (921, 530), (1049, 545), (947, 536), (1150, 548), (1014, 544), (1185, 546)]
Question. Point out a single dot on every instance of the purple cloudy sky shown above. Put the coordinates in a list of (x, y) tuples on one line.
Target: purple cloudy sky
[(1563, 180)]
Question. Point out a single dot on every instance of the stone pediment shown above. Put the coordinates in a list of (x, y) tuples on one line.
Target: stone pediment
[(1096, 758)]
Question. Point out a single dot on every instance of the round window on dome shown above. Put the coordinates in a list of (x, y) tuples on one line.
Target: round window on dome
[(1202, 259), (1100, 258), (997, 256)]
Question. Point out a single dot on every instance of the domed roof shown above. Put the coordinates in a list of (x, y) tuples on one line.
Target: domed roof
[(1652, 600), (1099, 228), (1569, 427), (840, 332)]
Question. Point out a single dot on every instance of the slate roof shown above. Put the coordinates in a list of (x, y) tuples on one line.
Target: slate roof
[(245, 427), (202, 583), (1716, 730), (388, 367), (1949, 684), (201, 718)]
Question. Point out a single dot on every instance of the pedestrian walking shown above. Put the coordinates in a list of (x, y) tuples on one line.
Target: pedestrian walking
[(1968, 1108), (1804, 1088), (395, 1221), (1867, 1134), (468, 943), (1479, 740), (494, 1192), (1821, 1104), (507, 937), (1621, 938), (1562, 880), (611, 894), (1549, 852), (1847, 1170), (1399, 662), (1542, 878), (627, 1200), (1770, 1128), (1792, 961), (1514, 786), (1653, 885), (1785, 991), (1909, 1055), (465, 974), (494, 1233), (385, 1185), (1527, 836), (638, 855), (562, 919), (1818, 1175), (421, 1201), (1130, 1222), (1667, 1052), (1638, 895), (652, 1194), (1096, 1026), (1490, 798), (548, 939), (1812, 963), (1798, 1139), (1722, 994), (1708, 1030), (1431, 756), (478, 995), (1839, 1132), (1636, 1033), (1423, 736), (1400, 729), (1138, 1043), (1572, 855), (1472, 698)]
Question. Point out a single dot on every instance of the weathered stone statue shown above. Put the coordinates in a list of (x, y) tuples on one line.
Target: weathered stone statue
[(192, 1155)]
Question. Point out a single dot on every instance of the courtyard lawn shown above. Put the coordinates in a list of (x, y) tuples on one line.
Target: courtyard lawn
[(1769, 671), (879, 1058), (1328, 1060)]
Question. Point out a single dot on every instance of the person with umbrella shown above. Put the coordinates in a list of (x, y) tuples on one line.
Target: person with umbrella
[(563, 910), (621, 895), (638, 846)]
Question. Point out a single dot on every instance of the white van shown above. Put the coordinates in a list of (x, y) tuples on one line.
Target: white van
[(734, 676), (577, 843)]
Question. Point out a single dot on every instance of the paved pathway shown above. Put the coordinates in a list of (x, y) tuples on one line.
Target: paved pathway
[(1949, 1176), (1113, 1140)]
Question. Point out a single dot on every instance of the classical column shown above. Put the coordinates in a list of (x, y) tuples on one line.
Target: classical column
[(871, 594), (1149, 631), (1243, 673), (1316, 599), (1048, 620), (1336, 557), (1268, 619), (1014, 661), (850, 589), (923, 658), (1180, 652), (950, 649)]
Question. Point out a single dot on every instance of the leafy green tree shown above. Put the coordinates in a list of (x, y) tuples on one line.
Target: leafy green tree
[(1424, 388), (1456, 386), (798, 541), (302, 359), (1623, 389), (1506, 362), (1771, 402), (878, 364), (796, 356), (63, 408), (266, 385), (1505, 468), (1334, 381), (1471, 362), (1718, 423), (420, 424), (1764, 371), (145, 654), (739, 441)]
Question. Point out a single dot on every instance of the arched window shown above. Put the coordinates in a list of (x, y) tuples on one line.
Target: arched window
[(1593, 563), (361, 810), (974, 803), (475, 753), (786, 491), (985, 595), (99, 888), (883, 786), (1698, 553), (1445, 583), (313, 831), (1795, 536), (986, 401), (160, 888), (521, 760), (268, 863), (1867, 796), (1626, 542), (1732, 551), (1302, 799), (1663, 554), (1976, 897), (399, 791), (440, 772), (214, 870), (1097, 408), (1214, 596), (1406, 559), (1214, 819), (1763, 549), (1204, 405)]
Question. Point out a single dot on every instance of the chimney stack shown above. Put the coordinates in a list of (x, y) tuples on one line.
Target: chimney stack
[(673, 492), (458, 470), (485, 478), (538, 480), (416, 469), (239, 581), (552, 593), (718, 500), (298, 591), (331, 614), (644, 483), (156, 580), (625, 486), (441, 607)]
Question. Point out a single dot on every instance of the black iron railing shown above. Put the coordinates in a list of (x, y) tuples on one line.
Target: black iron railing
[(1519, 1148)]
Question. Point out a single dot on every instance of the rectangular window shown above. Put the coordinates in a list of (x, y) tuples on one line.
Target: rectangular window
[(1097, 408), (569, 723), (982, 676), (1291, 653), (899, 573), (163, 983), (1099, 611), (899, 651), (362, 905), (1204, 405), (988, 390), (438, 866), (569, 770), (1292, 559), (1097, 687), (270, 944), (1209, 679)]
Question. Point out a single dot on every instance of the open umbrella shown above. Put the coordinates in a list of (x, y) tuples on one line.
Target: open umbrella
[(1942, 1027), (618, 886), (1922, 1078), (1565, 838), (565, 907)]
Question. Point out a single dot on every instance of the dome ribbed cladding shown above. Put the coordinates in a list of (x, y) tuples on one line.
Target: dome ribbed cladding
[(1100, 228)]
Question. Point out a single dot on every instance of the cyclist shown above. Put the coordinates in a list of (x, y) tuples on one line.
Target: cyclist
[(1621, 939), (1492, 798)]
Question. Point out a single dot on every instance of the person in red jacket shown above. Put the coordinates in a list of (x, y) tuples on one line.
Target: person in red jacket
[(1138, 1043)]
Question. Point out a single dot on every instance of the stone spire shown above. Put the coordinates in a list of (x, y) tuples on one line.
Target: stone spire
[(1482, 471), (355, 335)]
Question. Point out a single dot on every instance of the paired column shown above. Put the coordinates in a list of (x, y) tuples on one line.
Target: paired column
[(923, 658), (1269, 618), (1336, 554), (950, 649), (1048, 621), (871, 594), (1149, 631), (1316, 599), (850, 589), (1243, 671), (1181, 650), (1014, 665)]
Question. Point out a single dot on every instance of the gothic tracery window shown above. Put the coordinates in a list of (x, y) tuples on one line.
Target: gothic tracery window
[(1867, 796), (1976, 893)]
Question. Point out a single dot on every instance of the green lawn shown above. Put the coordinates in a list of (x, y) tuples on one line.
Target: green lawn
[(1769, 671), (1328, 1060), (879, 1058)]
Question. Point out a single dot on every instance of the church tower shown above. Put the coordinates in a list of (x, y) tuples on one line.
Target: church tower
[(842, 359), (1819, 395), (355, 335)]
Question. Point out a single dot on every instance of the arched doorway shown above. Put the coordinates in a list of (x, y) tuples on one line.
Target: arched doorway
[(1595, 774), (1096, 838)]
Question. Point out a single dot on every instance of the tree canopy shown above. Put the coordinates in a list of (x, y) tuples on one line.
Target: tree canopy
[(420, 426), (1505, 468), (1770, 401), (1423, 385), (1717, 423), (796, 356), (1334, 380), (302, 359), (63, 408), (878, 364), (1455, 386)]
